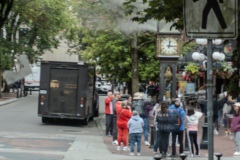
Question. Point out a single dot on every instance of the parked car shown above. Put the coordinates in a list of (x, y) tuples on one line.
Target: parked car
[(103, 86), (32, 81)]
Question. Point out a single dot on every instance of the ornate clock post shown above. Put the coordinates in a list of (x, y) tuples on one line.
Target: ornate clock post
[(168, 51)]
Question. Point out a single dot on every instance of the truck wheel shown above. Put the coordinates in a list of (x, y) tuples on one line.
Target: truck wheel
[(85, 121), (44, 120)]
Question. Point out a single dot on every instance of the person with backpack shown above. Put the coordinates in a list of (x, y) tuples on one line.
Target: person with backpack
[(235, 127), (177, 111), (192, 120), (164, 127)]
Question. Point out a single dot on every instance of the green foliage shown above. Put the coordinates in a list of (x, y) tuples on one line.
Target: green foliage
[(188, 47), (170, 10), (192, 68), (41, 24)]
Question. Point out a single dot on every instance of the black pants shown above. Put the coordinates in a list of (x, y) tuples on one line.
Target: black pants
[(180, 140), (203, 108), (114, 129), (192, 140), (163, 141), (109, 124)]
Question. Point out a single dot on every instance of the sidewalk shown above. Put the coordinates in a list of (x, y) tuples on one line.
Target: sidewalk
[(222, 144), (102, 148), (8, 98)]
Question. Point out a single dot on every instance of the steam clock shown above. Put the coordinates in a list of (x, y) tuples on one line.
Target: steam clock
[(168, 53)]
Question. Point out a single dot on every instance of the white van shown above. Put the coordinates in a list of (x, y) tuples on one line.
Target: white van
[(32, 80)]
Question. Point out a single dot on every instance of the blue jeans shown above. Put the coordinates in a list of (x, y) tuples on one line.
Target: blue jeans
[(156, 143), (135, 137), (146, 128), (220, 112)]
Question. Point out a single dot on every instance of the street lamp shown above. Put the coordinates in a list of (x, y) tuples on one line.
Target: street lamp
[(200, 56)]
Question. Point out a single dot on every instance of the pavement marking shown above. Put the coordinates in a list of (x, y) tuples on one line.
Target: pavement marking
[(30, 151)]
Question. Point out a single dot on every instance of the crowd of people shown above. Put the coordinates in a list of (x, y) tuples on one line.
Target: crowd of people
[(127, 124)]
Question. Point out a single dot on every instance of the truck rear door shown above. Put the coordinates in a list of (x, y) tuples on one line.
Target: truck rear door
[(63, 90)]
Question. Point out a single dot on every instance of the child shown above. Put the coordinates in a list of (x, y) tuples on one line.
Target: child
[(135, 125), (235, 127), (192, 119)]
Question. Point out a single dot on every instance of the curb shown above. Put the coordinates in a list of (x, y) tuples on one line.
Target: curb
[(9, 101)]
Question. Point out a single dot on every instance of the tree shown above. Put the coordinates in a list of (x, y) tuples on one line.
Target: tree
[(40, 24), (169, 10), (105, 18), (5, 8)]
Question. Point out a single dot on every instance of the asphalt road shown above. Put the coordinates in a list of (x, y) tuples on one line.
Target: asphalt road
[(23, 136)]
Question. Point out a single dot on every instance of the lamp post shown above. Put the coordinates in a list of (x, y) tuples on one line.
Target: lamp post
[(207, 136)]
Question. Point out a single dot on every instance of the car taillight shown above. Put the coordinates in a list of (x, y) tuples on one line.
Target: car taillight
[(81, 102), (42, 100)]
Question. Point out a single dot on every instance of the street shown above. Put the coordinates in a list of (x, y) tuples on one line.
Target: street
[(23, 136)]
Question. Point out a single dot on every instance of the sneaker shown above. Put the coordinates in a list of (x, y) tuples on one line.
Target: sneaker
[(198, 155), (125, 148), (146, 143), (115, 142), (236, 153), (191, 155), (131, 154), (216, 132), (177, 144), (138, 154), (135, 143), (118, 148), (155, 152)]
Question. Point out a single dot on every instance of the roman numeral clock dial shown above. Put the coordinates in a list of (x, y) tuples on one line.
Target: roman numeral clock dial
[(169, 46)]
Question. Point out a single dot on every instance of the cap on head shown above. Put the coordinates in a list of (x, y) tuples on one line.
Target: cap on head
[(236, 104)]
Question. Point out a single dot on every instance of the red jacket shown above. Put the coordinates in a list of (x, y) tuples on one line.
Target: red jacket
[(123, 115), (107, 105)]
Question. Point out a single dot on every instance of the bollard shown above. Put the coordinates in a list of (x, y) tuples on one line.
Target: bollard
[(183, 156), (218, 155), (152, 138), (157, 157)]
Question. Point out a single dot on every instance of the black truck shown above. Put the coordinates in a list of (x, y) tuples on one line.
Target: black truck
[(67, 91)]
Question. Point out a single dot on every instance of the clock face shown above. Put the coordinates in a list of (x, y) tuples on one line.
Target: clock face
[(169, 46)]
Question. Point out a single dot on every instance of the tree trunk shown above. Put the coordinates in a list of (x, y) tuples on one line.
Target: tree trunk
[(134, 54)]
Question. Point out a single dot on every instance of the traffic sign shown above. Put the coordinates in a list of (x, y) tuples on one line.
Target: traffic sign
[(211, 19)]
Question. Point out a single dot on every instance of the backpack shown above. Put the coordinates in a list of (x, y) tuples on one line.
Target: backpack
[(175, 120), (138, 106)]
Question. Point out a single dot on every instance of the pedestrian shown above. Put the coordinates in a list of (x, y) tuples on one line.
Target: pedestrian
[(201, 99), (235, 127), (192, 120), (109, 113), (163, 123), (221, 101), (135, 125), (123, 115), (227, 109), (215, 115), (179, 132), (114, 130), (148, 106), (152, 90), (156, 109)]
